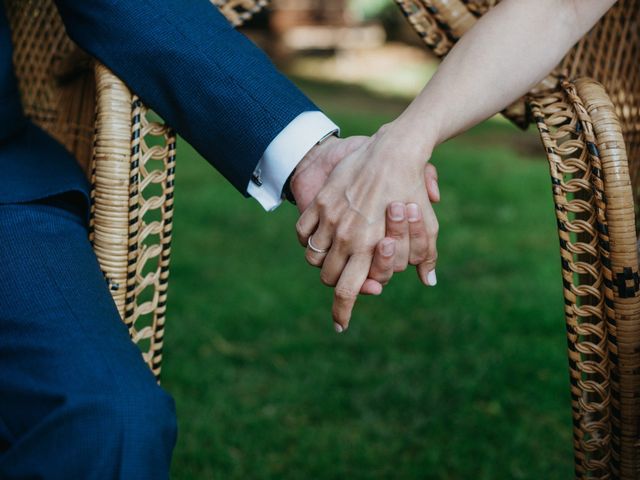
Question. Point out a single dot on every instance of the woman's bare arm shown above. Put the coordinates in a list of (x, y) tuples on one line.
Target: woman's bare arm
[(512, 48)]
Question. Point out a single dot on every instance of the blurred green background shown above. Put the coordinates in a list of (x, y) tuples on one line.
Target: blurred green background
[(465, 380)]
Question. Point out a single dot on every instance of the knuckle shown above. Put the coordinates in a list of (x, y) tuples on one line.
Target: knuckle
[(434, 228), (418, 258), (417, 233), (369, 245), (396, 232), (322, 201), (400, 267), (312, 259), (327, 279), (345, 294), (381, 277), (343, 237), (330, 219)]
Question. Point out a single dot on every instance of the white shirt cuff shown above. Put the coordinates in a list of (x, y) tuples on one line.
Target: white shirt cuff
[(283, 155)]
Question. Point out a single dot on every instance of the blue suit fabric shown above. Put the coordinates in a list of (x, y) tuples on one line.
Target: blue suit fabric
[(76, 399), (208, 81)]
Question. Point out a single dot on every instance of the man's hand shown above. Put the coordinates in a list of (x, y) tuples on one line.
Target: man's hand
[(314, 169)]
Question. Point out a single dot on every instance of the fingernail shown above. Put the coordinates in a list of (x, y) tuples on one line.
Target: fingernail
[(431, 278), (435, 188), (338, 327), (397, 212), (413, 212), (388, 248)]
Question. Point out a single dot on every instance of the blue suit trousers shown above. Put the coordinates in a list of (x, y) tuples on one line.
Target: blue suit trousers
[(76, 399)]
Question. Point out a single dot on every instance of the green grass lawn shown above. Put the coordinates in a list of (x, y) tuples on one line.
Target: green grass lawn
[(465, 380)]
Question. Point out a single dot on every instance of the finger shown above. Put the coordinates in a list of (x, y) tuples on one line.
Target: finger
[(383, 259), (318, 245), (398, 229), (333, 266), (381, 268), (346, 291), (427, 273), (307, 224), (431, 182), (418, 245), (371, 287), (427, 269)]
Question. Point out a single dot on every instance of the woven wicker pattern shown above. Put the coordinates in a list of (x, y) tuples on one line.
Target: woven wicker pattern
[(239, 11), (132, 210), (109, 229), (54, 76), (128, 154), (571, 169), (479, 7), (151, 184), (591, 137), (610, 54), (432, 20), (593, 197)]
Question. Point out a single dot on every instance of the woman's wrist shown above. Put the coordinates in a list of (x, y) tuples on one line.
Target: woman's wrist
[(407, 141)]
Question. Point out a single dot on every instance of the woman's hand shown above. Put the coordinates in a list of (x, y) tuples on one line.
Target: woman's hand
[(347, 218), (405, 230)]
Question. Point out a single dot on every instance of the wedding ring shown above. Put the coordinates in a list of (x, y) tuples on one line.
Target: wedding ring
[(314, 248)]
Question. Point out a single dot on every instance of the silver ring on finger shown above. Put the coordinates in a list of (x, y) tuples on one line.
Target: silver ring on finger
[(313, 248)]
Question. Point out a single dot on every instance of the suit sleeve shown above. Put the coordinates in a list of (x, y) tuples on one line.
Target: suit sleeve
[(208, 81)]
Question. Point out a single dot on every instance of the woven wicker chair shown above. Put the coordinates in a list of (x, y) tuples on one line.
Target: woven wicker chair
[(591, 135), (590, 132), (127, 154)]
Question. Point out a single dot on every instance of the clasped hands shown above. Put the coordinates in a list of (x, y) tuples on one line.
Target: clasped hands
[(365, 205)]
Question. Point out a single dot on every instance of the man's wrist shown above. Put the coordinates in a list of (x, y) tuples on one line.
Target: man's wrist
[(287, 192), (283, 154)]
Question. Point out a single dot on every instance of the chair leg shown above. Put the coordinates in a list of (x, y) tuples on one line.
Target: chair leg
[(594, 210)]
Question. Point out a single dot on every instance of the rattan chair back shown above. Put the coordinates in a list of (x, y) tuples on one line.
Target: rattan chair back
[(590, 133), (610, 53), (56, 79)]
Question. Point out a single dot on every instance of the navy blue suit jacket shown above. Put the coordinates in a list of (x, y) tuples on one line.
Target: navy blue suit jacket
[(215, 87)]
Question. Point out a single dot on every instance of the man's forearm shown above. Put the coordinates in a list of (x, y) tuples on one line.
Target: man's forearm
[(208, 81), (512, 48)]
